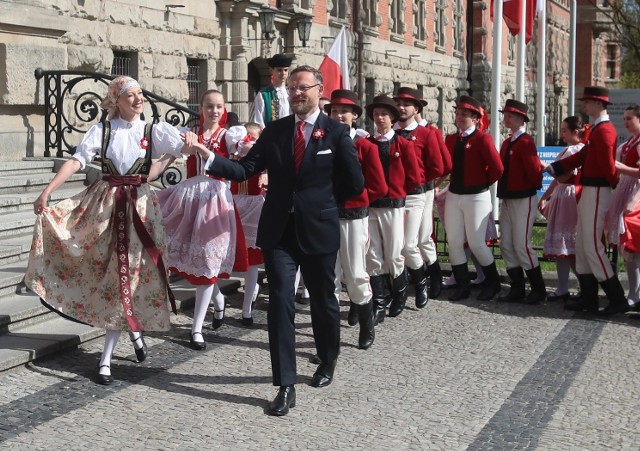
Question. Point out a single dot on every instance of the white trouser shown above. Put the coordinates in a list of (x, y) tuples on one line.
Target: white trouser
[(386, 232), (426, 244), (591, 257), (351, 260), (415, 216), (516, 227), (465, 220)]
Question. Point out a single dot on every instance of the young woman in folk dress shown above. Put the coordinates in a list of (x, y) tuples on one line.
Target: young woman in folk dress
[(627, 159), (83, 245), (200, 222), (559, 205)]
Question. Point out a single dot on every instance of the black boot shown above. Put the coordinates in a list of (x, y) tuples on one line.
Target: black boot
[(419, 277), (352, 319), (463, 283), (617, 299), (367, 329), (516, 292), (435, 279), (399, 294), (588, 295), (491, 284), (538, 291), (388, 290), (377, 289)]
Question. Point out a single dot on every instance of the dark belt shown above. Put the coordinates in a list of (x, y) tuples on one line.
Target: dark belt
[(354, 213), (123, 196), (421, 189), (388, 203)]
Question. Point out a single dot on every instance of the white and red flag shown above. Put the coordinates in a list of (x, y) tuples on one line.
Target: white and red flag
[(512, 13), (335, 66)]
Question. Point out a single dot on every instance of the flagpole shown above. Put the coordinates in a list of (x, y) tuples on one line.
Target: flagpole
[(542, 75), (496, 88), (522, 36), (572, 57)]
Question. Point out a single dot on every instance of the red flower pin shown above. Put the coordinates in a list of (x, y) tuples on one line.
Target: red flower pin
[(144, 143), (319, 133)]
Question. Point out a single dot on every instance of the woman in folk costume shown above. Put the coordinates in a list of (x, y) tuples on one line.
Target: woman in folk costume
[(476, 166), (248, 199), (200, 221), (627, 159), (559, 205), (83, 245)]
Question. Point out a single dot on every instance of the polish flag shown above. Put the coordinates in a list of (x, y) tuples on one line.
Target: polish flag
[(511, 12), (335, 65)]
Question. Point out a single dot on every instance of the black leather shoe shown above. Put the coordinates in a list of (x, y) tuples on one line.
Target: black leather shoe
[(324, 374), (303, 300), (197, 345), (104, 379), (247, 321), (284, 400), (141, 354), (553, 297), (217, 322)]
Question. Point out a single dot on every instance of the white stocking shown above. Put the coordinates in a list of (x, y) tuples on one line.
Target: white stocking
[(203, 297), (218, 303), (250, 290), (110, 342), (135, 339), (563, 267)]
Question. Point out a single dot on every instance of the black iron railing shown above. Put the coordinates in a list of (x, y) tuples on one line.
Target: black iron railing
[(72, 105)]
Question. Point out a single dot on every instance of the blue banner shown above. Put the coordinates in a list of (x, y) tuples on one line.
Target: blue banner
[(548, 155)]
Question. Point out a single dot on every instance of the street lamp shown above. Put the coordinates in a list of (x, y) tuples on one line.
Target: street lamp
[(266, 16), (304, 28)]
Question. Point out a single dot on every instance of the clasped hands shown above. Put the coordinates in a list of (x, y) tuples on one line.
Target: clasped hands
[(192, 145)]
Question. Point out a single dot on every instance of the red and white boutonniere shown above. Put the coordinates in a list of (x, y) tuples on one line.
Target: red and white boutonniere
[(215, 146), (317, 134), (413, 138), (144, 143), (468, 146), (397, 154)]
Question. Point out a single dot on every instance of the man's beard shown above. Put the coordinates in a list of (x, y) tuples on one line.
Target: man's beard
[(302, 106)]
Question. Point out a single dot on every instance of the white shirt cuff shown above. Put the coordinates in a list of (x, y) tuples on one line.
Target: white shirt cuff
[(209, 161)]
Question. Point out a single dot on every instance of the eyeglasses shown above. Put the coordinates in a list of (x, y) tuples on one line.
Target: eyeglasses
[(303, 89)]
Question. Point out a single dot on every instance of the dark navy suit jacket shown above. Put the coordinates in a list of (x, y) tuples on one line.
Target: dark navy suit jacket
[(330, 174)]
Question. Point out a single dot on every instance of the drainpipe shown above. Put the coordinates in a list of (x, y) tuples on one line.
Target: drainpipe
[(357, 26)]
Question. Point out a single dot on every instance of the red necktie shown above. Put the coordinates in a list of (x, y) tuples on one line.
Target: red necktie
[(298, 145)]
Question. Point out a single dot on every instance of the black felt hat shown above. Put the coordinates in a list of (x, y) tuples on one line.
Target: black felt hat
[(279, 60)]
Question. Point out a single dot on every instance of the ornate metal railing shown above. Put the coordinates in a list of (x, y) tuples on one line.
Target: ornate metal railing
[(72, 105)]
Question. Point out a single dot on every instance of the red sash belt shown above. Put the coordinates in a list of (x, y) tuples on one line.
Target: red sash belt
[(123, 196)]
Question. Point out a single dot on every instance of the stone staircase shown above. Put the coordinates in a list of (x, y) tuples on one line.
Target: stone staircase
[(28, 330)]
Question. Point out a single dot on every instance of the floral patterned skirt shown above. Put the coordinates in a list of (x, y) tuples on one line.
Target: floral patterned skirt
[(73, 264)]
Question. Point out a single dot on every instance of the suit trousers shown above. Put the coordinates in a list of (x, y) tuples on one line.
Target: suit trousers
[(591, 257), (281, 264), (465, 219), (386, 229), (516, 227), (351, 261)]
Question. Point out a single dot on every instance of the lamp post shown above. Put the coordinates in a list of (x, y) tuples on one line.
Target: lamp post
[(304, 28)]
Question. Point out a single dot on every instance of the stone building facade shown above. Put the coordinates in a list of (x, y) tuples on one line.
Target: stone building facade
[(443, 47)]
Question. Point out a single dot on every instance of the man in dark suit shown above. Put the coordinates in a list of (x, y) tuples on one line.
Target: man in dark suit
[(313, 167)]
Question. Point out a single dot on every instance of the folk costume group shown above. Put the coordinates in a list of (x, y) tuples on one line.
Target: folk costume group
[(345, 207)]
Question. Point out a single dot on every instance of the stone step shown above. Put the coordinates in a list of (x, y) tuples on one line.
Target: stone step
[(31, 331), (18, 184), (11, 203), (31, 166), (15, 224), (15, 249)]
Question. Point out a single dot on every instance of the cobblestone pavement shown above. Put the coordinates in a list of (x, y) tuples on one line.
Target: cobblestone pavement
[(470, 375)]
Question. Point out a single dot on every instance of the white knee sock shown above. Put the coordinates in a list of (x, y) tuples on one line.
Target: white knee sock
[(633, 274), (250, 290), (203, 297), (135, 339), (110, 342), (218, 302), (296, 283), (563, 267)]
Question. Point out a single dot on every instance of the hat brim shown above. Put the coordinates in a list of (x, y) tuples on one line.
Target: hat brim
[(599, 99), (416, 102), (394, 111), (468, 108), (357, 109), (524, 116)]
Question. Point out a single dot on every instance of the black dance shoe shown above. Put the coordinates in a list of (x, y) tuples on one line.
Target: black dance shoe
[(141, 354), (217, 323), (104, 379), (197, 345)]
